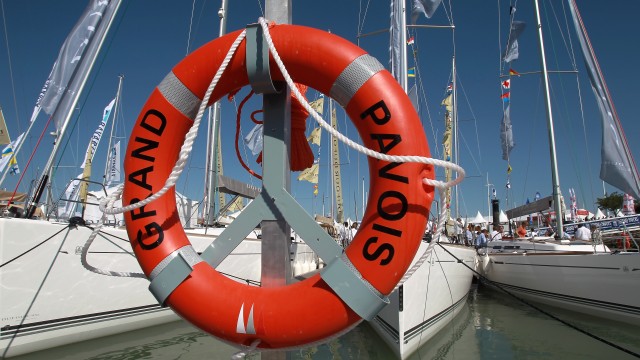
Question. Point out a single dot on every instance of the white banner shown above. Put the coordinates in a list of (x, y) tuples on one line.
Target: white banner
[(97, 135), (114, 172)]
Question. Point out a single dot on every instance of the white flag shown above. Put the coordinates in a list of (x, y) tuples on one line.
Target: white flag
[(97, 135), (254, 139), (7, 155), (114, 171), (72, 193)]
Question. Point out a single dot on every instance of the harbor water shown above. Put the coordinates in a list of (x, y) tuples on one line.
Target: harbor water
[(492, 326)]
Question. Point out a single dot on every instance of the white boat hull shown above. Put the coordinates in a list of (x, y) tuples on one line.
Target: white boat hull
[(48, 298), (602, 284), (428, 300)]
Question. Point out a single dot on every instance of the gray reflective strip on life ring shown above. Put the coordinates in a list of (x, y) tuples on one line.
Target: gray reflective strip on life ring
[(353, 77), (346, 281), (178, 95), (172, 271)]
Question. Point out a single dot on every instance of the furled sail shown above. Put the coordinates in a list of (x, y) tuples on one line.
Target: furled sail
[(446, 147), (617, 166), (337, 180)]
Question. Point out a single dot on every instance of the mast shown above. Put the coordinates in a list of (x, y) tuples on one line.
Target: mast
[(454, 118), (214, 148), (335, 160), (555, 180), (67, 103), (113, 123)]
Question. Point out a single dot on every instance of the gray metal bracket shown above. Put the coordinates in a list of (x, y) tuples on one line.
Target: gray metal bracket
[(257, 59), (275, 203)]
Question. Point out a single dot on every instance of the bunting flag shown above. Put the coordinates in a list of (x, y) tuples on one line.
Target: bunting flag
[(314, 138), (505, 97), (511, 53), (450, 88), (318, 105), (509, 169), (236, 205), (410, 41), (447, 103), (537, 197), (310, 174), (4, 132), (508, 184), (8, 158), (315, 189), (255, 139), (513, 73), (506, 84), (426, 7), (411, 72)]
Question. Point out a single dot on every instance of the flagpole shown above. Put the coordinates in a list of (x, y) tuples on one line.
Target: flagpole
[(488, 196)]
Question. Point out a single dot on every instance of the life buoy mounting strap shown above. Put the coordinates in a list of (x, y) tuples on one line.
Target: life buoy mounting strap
[(257, 56), (171, 272)]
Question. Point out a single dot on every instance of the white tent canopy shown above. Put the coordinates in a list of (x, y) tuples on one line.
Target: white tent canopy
[(478, 219), (503, 217), (599, 214)]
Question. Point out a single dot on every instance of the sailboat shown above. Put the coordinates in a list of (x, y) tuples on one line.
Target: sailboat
[(436, 292), (575, 275), (56, 286)]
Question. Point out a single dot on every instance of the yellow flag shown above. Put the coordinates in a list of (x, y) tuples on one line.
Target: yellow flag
[(447, 103), (310, 174), (314, 138), (318, 105), (509, 169), (237, 205)]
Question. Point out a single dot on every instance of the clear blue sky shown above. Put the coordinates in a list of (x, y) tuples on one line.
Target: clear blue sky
[(149, 38)]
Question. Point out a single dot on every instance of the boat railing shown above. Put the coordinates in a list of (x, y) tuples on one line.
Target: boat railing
[(53, 210)]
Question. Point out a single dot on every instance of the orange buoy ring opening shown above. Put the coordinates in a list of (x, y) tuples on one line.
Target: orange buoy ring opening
[(382, 249)]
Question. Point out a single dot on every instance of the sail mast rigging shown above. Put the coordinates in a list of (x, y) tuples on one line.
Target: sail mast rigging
[(555, 180), (69, 99)]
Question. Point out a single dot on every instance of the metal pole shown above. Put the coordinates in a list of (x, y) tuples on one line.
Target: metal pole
[(552, 142), (213, 137), (276, 234)]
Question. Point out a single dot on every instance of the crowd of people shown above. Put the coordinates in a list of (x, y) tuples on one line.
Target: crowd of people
[(479, 236)]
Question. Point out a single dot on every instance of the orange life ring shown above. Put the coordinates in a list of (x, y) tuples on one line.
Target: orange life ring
[(392, 225)]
